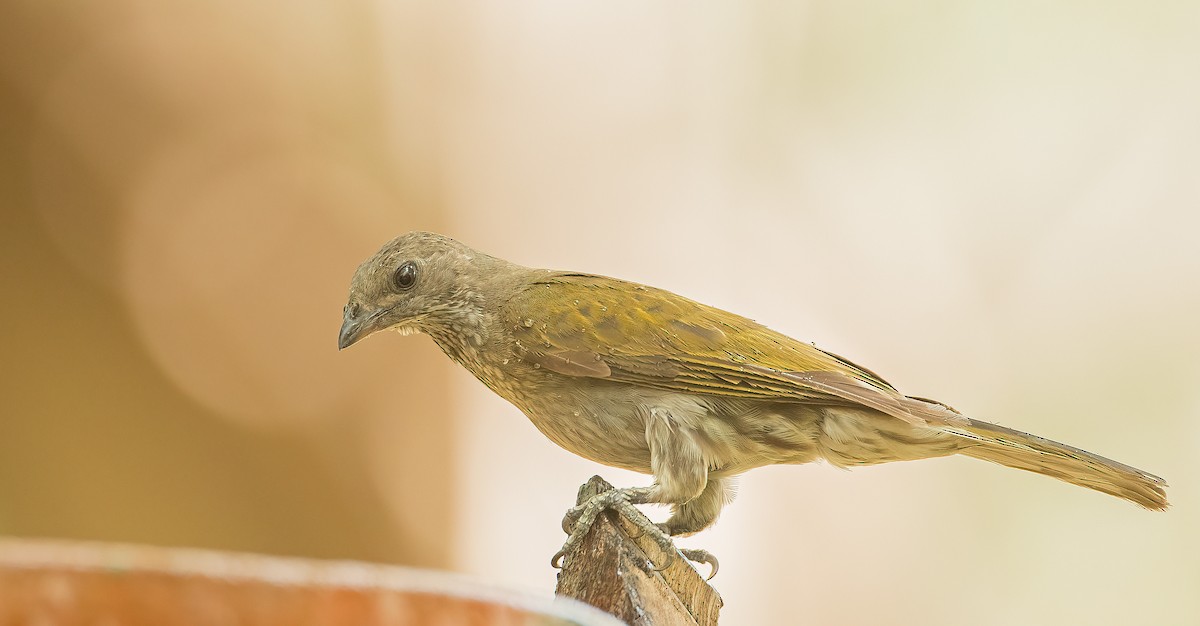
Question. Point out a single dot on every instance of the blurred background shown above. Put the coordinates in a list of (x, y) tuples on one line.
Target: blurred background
[(992, 204)]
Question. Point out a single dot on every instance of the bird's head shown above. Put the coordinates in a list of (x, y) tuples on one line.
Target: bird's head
[(415, 281)]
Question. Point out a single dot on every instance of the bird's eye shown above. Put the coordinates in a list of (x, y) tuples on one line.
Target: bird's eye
[(405, 276)]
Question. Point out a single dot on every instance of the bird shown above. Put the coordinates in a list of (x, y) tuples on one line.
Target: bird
[(640, 378)]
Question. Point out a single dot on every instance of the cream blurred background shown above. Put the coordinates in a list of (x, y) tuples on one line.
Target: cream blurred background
[(994, 204)]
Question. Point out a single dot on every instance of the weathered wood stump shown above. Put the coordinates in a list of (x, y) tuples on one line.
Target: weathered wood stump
[(613, 569)]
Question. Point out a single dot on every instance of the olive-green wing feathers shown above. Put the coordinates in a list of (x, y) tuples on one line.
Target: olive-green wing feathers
[(593, 326)]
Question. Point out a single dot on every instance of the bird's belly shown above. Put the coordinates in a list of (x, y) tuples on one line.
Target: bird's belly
[(610, 431)]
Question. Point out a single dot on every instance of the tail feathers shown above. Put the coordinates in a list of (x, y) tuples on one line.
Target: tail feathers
[(1020, 450)]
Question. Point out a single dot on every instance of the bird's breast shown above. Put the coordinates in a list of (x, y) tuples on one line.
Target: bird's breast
[(605, 426)]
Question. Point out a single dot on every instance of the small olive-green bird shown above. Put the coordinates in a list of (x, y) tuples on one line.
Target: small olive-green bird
[(643, 379)]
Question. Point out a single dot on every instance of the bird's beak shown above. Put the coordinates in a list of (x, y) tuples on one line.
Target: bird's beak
[(355, 328)]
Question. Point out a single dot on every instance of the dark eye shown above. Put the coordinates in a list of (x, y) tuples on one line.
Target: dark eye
[(405, 276)]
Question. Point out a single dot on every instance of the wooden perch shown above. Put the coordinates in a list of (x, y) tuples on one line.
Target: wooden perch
[(57, 583), (613, 569)]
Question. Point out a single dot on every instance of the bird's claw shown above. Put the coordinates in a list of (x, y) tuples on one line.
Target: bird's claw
[(571, 517), (702, 556), (579, 519), (693, 555)]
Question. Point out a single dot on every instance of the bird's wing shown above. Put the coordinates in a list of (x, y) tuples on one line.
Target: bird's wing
[(599, 327)]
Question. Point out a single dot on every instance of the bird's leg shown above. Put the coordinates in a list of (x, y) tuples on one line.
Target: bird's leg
[(614, 499), (578, 520), (682, 477), (699, 513)]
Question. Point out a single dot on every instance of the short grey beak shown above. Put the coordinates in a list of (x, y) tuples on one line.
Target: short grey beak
[(357, 324), (351, 331)]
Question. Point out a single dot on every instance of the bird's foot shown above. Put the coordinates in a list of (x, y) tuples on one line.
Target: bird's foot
[(702, 556), (579, 519), (694, 555)]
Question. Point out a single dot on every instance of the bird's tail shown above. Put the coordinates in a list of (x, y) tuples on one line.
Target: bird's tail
[(1014, 448)]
